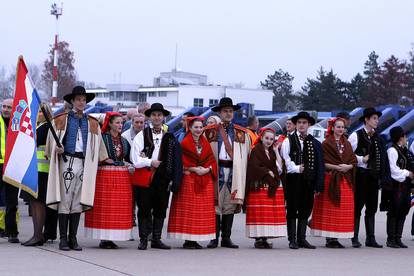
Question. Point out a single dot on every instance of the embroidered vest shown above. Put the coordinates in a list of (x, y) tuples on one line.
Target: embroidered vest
[(370, 146), (74, 123)]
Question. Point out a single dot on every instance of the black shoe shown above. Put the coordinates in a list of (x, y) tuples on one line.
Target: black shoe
[(2, 233), (334, 244), (107, 245), (293, 245), (305, 244), (392, 244), (226, 242), (13, 239), (73, 244), (192, 245), (63, 245), (159, 245), (213, 244), (33, 242), (143, 244), (259, 244), (401, 244), (356, 243), (371, 242)]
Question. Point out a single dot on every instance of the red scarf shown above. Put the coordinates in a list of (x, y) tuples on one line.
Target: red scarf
[(192, 159)]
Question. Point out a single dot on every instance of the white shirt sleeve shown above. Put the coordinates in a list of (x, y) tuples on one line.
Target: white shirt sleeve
[(396, 173), (291, 167), (137, 148), (279, 167), (353, 139)]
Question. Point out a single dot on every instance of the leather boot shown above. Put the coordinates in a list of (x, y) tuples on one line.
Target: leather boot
[(302, 242), (291, 228), (214, 243), (63, 232), (391, 228), (399, 231), (156, 234), (227, 224), (370, 229), (355, 240), (143, 233), (73, 230)]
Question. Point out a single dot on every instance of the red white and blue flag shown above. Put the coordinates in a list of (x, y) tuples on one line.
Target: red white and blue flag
[(20, 163)]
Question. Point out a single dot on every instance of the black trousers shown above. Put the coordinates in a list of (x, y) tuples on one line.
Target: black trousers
[(400, 201), (366, 193), (152, 201), (11, 194), (299, 197)]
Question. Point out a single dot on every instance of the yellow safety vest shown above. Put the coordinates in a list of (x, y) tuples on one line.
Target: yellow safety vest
[(42, 162), (2, 140)]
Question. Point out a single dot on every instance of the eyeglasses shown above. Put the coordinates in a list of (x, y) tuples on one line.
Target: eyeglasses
[(7, 106)]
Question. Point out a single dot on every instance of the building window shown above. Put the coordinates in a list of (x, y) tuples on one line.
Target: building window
[(142, 97), (162, 94), (213, 102), (152, 94), (198, 102)]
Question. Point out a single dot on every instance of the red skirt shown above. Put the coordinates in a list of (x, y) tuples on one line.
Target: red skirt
[(330, 220), (265, 216), (111, 215), (192, 213)]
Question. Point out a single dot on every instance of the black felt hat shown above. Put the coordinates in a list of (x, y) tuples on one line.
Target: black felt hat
[(368, 112), (396, 133), (225, 102), (303, 115), (157, 107), (76, 91)]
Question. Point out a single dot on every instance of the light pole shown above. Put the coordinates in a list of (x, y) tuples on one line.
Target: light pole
[(56, 11)]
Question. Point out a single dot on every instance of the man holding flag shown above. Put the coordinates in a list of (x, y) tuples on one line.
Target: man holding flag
[(20, 161), (73, 165)]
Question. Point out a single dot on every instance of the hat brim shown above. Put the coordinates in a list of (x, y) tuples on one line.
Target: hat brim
[(217, 108), (164, 112), (310, 119), (89, 97), (362, 118)]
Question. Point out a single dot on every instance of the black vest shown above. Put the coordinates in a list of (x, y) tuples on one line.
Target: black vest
[(148, 142), (370, 146), (307, 156), (405, 158)]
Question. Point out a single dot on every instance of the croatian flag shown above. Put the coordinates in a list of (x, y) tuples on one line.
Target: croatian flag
[(20, 163)]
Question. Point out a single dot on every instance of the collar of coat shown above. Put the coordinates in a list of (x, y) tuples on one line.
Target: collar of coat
[(61, 119)]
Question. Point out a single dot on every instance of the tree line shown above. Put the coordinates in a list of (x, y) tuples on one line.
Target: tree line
[(389, 82)]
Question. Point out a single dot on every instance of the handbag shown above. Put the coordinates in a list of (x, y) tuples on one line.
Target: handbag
[(142, 177)]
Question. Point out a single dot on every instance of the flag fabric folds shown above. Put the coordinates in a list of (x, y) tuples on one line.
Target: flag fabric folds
[(20, 164)]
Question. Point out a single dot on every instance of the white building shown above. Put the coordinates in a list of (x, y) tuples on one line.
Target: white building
[(176, 77), (178, 98)]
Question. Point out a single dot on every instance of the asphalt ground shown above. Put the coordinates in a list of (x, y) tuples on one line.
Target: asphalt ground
[(127, 260)]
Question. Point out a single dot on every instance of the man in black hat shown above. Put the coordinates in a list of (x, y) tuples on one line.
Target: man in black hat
[(231, 146), (305, 176), (396, 197), (157, 151), (372, 166), (71, 183)]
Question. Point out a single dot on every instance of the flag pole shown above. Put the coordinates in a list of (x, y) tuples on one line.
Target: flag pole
[(52, 130)]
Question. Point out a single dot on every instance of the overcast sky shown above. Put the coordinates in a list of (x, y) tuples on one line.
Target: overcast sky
[(228, 40)]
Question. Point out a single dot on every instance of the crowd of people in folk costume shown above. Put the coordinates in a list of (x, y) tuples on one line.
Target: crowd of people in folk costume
[(214, 170)]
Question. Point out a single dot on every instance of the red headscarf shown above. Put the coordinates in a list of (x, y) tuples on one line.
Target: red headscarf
[(331, 124), (108, 116), (262, 131)]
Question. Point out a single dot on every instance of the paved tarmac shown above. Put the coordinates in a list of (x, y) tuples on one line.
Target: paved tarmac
[(48, 260)]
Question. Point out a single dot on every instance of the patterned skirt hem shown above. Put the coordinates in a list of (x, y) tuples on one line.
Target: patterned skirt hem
[(331, 234), (108, 234), (269, 231), (191, 237)]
